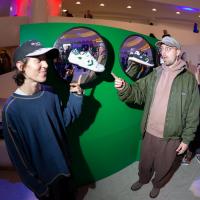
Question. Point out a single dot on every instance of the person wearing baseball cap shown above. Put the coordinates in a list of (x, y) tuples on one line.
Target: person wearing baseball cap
[(171, 115), (169, 41), (34, 125), (32, 48)]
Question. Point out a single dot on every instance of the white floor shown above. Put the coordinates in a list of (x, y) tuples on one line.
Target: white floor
[(116, 187)]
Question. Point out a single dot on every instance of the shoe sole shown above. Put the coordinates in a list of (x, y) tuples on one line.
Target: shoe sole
[(140, 61), (135, 189), (154, 196)]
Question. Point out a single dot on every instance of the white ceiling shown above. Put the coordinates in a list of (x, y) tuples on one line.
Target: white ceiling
[(141, 10)]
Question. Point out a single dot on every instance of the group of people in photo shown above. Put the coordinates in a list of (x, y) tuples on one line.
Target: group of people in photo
[(35, 120), (67, 13)]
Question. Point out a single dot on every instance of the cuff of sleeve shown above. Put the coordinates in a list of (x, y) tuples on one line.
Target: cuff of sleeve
[(77, 94), (125, 88)]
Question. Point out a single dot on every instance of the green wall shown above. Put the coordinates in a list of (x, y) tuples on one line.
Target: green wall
[(107, 136)]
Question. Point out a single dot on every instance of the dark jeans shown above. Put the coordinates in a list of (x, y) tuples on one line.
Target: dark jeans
[(61, 189)]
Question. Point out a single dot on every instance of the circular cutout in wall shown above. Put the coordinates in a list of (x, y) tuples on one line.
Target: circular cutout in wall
[(136, 57), (82, 54)]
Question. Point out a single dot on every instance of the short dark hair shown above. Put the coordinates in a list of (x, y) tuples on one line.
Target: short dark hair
[(19, 75)]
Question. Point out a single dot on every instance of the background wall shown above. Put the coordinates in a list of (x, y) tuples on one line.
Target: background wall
[(7, 85), (183, 32), (10, 30), (193, 53)]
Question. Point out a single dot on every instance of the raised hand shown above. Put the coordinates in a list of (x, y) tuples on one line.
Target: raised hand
[(75, 87), (119, 83)]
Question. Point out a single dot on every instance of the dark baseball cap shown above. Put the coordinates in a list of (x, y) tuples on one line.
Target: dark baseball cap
[(169, 41), (32, 48)]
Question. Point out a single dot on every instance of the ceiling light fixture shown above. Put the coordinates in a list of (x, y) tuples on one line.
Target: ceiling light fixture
[(78, 2), (129, 7), (102, 4), (154, 9)]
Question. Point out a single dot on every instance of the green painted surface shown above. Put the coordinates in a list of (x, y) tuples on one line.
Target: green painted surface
[(107, 136)]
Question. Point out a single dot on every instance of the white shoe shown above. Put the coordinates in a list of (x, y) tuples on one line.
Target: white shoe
[(140, 57), (85, 60)]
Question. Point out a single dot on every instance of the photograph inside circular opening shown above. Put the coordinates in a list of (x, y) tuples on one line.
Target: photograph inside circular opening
[(82, 53), (136, 57)]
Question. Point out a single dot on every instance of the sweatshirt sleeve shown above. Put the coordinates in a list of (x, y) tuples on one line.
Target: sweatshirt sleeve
[(73, 108), (20, 159)]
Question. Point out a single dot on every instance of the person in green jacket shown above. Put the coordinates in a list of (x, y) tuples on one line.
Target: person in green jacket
[(171, 115)]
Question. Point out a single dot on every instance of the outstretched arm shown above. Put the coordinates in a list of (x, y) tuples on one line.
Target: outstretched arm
[(74, 104), (135, 93)]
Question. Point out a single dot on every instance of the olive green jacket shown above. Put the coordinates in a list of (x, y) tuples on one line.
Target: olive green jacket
[(182, 117)]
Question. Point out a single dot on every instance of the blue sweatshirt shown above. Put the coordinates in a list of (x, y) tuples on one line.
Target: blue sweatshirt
[(34, 129)]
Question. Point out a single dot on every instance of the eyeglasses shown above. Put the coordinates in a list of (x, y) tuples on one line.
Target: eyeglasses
[(166, 49)]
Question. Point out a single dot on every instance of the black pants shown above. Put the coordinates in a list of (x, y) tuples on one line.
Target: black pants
[(158, 158), (61, 189)]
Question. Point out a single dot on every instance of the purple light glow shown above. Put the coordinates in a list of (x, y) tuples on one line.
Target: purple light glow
[(4, 7), (188, 9), (15, 190)]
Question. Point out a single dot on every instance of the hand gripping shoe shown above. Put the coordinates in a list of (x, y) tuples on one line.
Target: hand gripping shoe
[(140, 57), (85, 60)]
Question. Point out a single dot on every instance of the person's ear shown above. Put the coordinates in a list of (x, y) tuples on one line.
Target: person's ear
[(19, 65), (178, 53)]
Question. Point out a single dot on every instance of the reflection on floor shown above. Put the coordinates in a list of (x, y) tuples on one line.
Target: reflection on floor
[(185, 185), (11, 187)]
